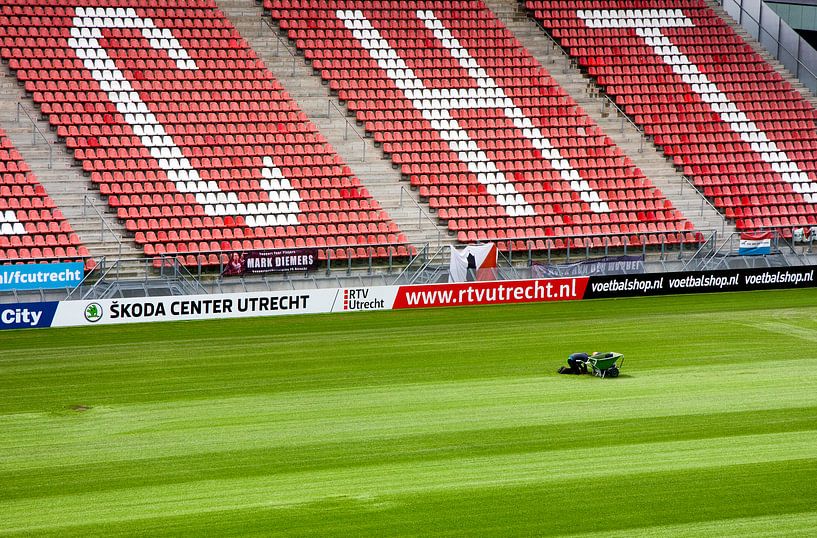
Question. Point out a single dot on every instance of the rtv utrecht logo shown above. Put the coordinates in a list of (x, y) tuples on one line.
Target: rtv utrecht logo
[(359, 299)]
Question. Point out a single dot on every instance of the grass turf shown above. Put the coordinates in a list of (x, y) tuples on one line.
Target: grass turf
[(447, 421)]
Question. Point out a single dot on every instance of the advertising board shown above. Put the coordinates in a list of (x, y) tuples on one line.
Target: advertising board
[(41, 276), (316, 301)]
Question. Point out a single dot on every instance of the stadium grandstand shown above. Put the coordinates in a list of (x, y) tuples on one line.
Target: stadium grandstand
[(734, 125), (148, 138)]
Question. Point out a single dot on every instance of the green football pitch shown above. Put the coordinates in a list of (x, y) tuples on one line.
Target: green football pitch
[(449, 421)]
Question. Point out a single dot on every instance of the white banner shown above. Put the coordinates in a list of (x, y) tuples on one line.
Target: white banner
[(474, 262), (278, 303), (232, 305), (227, 305)]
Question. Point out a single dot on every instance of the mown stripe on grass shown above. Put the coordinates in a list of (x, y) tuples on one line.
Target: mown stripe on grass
[(767, 526), (240, 461), (180, 428), (414, 478), (616, 505)]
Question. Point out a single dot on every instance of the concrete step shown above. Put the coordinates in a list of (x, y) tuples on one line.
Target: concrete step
[(348, 138), (55, 169)]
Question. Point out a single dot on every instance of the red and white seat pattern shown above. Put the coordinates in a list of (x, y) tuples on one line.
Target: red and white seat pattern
[(740, 132), (31, 225), (195, 142), (501, 151)]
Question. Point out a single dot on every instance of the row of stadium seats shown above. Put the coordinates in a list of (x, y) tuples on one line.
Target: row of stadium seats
[(724, 115), (31, 226)]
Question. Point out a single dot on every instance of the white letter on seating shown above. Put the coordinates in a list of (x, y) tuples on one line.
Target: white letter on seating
[(647, 24), (85, 35), (435, 104), (9, 224)]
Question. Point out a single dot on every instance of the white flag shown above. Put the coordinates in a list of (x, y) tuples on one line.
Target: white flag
[(474, 262)]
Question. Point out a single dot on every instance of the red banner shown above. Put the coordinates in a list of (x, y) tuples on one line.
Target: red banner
[(479, 293)]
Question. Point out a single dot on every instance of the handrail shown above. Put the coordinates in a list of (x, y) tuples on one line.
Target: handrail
[(713, 250), (554, 43), (35, 131), (183, 274), (98, 267), (426, 261), (625, 116), (329, 105), (115, 265), (278, 41), (606, 100), (704, 200), (421, 213), (88, 201), (795, 57), (510, 266)]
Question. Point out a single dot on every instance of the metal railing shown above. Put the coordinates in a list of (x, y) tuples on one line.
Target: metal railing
[(103, 223), (265, 23), (35, 131), (181, 275), (565, 248), (169, 274), (588, 244), (624, 116), (418, 265), (95, 275), (705, 251), (704, 201), (421, 214), (569, 60), (783, 238), (329, 106), (785, 235)]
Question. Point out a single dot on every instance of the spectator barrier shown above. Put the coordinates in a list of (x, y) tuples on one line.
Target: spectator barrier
[(237, 305)]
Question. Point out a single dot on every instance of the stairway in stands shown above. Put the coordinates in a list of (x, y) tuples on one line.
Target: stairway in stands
[(63, 181), (643, 153), (374, 170)]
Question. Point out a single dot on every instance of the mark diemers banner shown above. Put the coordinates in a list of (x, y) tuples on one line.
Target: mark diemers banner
[(272, 261)]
